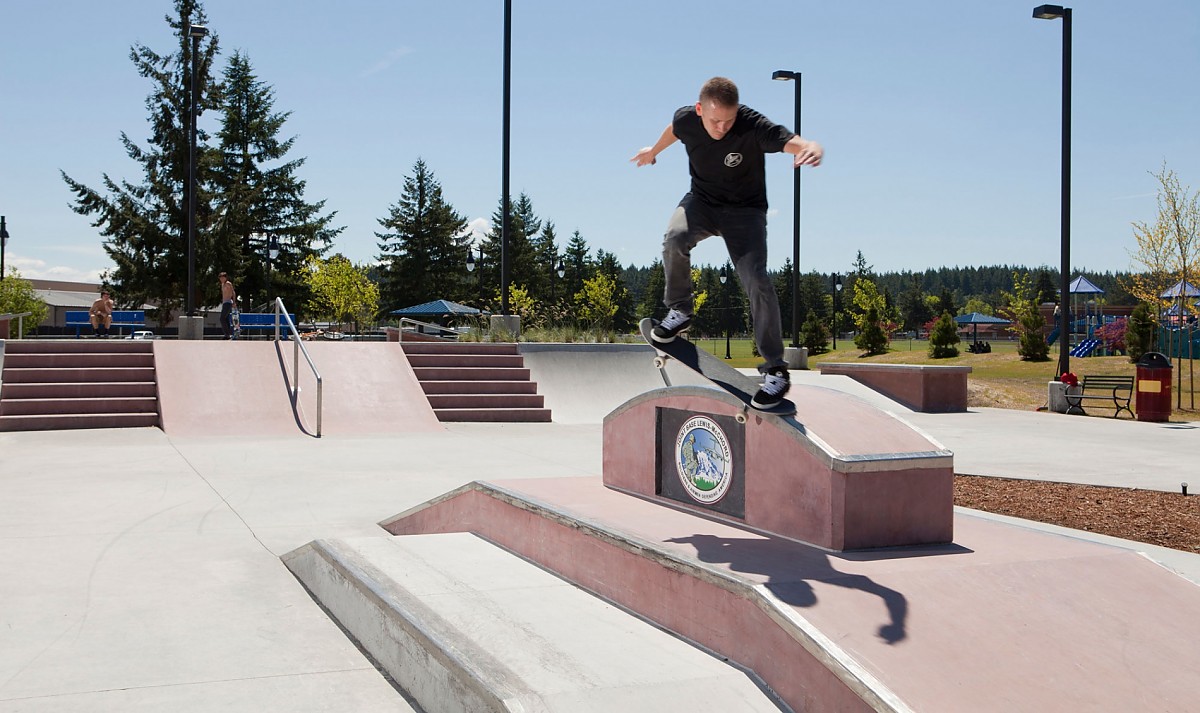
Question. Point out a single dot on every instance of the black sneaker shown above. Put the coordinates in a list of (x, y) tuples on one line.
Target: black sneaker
[(674, 323), (775, 385)]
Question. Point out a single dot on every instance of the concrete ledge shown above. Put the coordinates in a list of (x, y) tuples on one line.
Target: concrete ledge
[(463, 625), (928, 389)]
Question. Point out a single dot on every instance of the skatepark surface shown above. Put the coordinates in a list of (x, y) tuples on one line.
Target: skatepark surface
[(142, 566)]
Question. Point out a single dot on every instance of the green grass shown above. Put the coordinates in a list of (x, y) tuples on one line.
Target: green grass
[(999, 379)]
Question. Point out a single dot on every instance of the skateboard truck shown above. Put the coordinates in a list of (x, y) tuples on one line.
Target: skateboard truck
[(660, 363)]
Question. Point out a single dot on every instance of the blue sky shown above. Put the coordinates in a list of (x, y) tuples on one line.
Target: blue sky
[(940, 119)]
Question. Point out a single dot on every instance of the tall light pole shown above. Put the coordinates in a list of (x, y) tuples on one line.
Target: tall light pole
[(1054, 12), (505, 155), (471, 263), (725, 307), (272, 253), (784, 76), (196, 32), (559, 270), (3, 244)]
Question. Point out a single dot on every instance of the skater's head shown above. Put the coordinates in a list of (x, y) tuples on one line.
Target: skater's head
[(223, 277), (718, 106)]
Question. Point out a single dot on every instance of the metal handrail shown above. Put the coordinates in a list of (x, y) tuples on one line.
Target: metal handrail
[(407, 320), (297, 348), (20, 322)]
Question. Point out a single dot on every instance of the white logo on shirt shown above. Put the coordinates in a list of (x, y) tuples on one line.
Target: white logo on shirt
[(733, 159)]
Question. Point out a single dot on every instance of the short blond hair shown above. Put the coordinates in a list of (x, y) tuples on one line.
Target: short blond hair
[(720, 90)]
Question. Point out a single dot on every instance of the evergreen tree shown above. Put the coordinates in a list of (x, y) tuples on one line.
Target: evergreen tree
[(945, 303), (1139, 337), (259, 201), (1045, 289), (651, 304), (783, 292), (943, 338), (145, 224), (814, 335), (577, 263), (914, 311), (423, 254), (522, 261), (871, 338)]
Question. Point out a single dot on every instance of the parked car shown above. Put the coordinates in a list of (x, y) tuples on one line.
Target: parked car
[(143, 334)]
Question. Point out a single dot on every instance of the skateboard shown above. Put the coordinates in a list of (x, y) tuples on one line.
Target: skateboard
[(711, 368), (235, 322)]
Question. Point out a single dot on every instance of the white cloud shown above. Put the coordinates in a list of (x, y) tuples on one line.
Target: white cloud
[(34, 269), (387, 61)]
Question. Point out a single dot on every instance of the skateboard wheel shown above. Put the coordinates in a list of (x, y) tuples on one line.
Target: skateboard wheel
[(740, 418), (659, 362)]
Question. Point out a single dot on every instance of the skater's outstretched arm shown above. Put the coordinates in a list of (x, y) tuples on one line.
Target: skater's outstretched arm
[(806, 153), (647, 156)]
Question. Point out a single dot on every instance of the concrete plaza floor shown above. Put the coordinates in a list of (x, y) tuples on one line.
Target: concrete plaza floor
[(141, 571)]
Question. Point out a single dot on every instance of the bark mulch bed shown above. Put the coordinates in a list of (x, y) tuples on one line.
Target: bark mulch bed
[(1157, 518)]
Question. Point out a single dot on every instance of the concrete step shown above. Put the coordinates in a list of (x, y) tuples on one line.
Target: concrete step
[(77, 346), (462, 625), (77, 389), (62, 422), (50, 375), (479, 387), (78, 360), (47, 407), (458, 348), (460, 360), (489, 401), (469, 373), (493, 415)]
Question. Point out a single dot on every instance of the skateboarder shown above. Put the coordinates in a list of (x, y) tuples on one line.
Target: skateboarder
[(726, 143), (228, 295)]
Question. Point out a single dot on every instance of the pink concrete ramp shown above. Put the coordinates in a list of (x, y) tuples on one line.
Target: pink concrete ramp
[(219, 388), (1005, 619)]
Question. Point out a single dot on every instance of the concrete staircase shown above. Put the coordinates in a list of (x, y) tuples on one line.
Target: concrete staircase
[(67, 384), (476, 381)]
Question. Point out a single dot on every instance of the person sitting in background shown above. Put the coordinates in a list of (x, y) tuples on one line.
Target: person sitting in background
[(101, 314)]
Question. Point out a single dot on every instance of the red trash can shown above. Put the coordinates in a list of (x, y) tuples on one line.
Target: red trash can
[(1153, 402)]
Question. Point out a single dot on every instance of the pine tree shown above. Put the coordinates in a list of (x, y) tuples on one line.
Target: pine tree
[(423, 254), (607, 264), (814, 335), (652, 297), (258, 199), (1139, 337), (145, 224), (545, 250), (943, 338), (577, 263), (522, 261)]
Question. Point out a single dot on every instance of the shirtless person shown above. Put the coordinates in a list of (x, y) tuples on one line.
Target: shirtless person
[(227, 297), (101, 314), (726, 142)]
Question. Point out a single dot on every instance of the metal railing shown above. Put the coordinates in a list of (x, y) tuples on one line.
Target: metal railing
[(406, 320), (281, 318), (20, 323)]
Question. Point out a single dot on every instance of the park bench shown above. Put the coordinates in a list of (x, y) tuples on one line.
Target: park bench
[(120, 318), (1115, 389), (264, 321)]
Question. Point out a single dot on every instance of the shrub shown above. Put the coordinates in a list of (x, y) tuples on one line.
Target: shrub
[(943, 338), (1139, 335), (814, 334), (872, 339)]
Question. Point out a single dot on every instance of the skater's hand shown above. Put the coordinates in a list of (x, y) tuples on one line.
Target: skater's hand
[(805, 152), (645, 157)]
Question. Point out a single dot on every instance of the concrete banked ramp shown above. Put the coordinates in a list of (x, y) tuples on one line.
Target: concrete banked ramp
[(220, 388)]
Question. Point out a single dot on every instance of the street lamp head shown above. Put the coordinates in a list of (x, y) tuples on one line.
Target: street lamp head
[(197, 31), (273, 247), (783, 75), (724, 275), (837, 282), (1049, 12), (3, 231), (470, 261), (560, 270)]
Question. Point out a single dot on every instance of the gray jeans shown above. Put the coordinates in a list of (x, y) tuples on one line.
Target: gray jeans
[(745, 233)]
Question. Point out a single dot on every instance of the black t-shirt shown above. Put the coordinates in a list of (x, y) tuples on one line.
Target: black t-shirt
[(730, 172)]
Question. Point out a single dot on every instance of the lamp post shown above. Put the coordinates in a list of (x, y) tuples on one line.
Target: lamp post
[(196, 32), (784, 76), (3, 244), (558, 270), (725, 307), (505, 209), (837, 292), (272, 253), (1054, 12), (471, 262)]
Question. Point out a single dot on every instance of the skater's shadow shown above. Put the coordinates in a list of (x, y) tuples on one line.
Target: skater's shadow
[(789, 569)]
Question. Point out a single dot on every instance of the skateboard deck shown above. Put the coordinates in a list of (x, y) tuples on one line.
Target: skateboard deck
[(235, 322), (711, 368)]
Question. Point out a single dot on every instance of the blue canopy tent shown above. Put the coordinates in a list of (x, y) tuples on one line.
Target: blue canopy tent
[(975, 319), (436, 308)]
